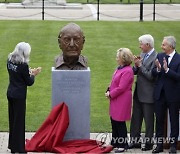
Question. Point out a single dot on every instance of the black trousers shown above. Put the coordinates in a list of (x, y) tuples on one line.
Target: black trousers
[(17, 111), (161, 107), (119, 134)]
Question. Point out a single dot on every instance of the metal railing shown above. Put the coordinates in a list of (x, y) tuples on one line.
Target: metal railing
[(93, 1), (128, 1), (99, 13)]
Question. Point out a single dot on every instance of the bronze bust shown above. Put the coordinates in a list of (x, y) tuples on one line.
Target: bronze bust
[(71, 40)]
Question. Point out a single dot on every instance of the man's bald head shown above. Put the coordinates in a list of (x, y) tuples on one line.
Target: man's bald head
[(71, 27), (71, 40)]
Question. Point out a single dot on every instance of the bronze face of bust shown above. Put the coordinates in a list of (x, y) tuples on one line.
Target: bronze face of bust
[(71, 40)]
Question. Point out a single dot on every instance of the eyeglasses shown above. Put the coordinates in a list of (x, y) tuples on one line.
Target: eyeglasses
[(68, 40)]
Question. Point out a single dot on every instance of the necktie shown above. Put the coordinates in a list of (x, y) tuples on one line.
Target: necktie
[(166, 57), (145, 57)]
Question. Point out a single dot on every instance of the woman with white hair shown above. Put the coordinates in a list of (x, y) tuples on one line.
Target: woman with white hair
[(20, 76)]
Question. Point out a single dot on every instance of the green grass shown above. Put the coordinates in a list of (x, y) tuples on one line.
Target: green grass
[(105, 1), (102, 40)]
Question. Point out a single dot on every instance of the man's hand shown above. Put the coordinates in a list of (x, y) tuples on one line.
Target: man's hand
[(158, 65), (137, 61), (165, 65)]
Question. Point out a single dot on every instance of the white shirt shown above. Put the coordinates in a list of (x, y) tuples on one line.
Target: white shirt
[(150, 52), (147, 55), (171, 56)]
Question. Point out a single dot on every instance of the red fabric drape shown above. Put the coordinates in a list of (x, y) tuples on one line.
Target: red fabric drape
[(49, 137)]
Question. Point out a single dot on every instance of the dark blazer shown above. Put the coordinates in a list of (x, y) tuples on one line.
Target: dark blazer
[(145, 81), (170, 81), (19, 79)]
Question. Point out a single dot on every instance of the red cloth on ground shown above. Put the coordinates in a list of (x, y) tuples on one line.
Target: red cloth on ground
[(49, 137)]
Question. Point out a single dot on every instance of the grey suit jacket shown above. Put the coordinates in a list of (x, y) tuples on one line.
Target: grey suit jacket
[(145, 81)]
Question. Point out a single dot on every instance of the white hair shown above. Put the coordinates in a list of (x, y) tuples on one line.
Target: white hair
[(171, 41), (147, 39), (21, 53)]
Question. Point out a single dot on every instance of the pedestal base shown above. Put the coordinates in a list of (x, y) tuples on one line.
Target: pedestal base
[(73, 88)]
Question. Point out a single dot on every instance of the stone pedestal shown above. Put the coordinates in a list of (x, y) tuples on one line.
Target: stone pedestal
[(73, 88)]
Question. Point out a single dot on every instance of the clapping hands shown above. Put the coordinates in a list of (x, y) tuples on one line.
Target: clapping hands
[(165, 65), (158, 65), (137, 61), (35, 71)]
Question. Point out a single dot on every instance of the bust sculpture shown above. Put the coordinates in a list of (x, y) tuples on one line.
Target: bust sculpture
[(71, 40)]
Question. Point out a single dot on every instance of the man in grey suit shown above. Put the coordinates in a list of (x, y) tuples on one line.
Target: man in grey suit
[(143, 104)]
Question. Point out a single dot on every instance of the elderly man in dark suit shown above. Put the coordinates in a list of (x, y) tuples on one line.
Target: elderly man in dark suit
[(143, 103), (167, 92)]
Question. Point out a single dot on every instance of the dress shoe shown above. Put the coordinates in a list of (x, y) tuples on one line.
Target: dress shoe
[(172, 150), (147, 147), (120, 150), (158, 150), (134, 145)]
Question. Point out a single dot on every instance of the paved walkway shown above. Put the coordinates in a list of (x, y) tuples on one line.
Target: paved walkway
[(117, 12), (4, 142)]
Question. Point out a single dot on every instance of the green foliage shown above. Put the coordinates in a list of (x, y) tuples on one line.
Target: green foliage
[(102, 40)]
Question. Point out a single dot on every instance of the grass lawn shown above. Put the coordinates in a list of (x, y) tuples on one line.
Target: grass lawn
[(104, 1), (102, 40)]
